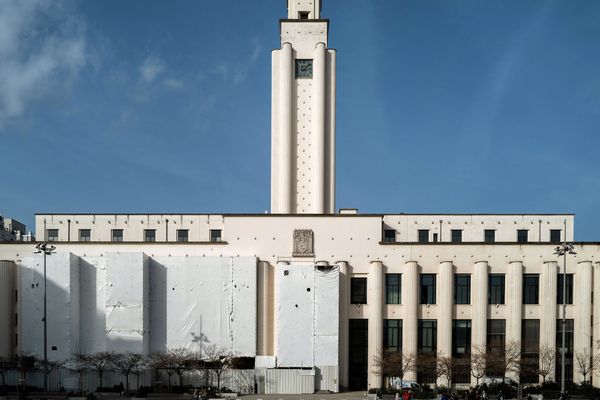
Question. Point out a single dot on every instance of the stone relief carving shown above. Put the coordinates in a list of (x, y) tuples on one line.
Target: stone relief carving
[(303, 243)]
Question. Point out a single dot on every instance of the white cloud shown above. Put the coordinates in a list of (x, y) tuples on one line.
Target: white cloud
[(42, 46), (174, 84), (151, 68)]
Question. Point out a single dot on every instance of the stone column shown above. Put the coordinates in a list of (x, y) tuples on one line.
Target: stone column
[(375, 304), (318, 132), (285, 128), (514, 302), (548, 282), (582, 300), (596, 330), (410, 302), (344, 324), (479, 289), (262, 306)]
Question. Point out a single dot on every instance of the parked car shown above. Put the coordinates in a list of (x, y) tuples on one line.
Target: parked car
[(406, 385)]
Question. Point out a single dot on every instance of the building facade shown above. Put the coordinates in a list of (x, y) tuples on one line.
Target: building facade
[(304, 290)]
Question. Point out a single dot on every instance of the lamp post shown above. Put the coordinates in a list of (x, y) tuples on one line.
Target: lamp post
[(562, 250), (47, 250)]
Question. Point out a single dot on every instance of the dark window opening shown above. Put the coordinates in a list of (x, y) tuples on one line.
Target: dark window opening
[(392, 334), (555, 235), (52, 235), (389, 236), (182, 235), (568, 289), (393, 288), (85, 235), (461, 350), (117, 235), (423, 235), (569, 335), (358, 290), (215, 235), (531, 288), (496, 289), (427, 288), (489, 236), (456, 235), (358, 337), (303, 15), (522, 235), (530, 348), (496, 342), (427, 350), (462, 289), (149, 235)]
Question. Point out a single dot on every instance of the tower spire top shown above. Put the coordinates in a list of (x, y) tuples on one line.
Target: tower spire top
[(304, 9)]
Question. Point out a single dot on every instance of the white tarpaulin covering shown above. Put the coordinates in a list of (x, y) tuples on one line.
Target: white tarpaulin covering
[(62, 279), (307, 318), (134, 303), (127, 302)]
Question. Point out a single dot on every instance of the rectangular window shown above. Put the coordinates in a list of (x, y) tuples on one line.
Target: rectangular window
[(522, 235), (569, 335), (462, 289), (85, 235), (555, 235), (303, 15), (358, 355), (393, 288), (182, 235), (149, 235), (52, 235), (358, 290), (489, 236), (427, 339), (117, 235), (392, 334), (496, 289), (461, 337), (215, 235), (530, 348), (456, 235), (423, 235), (389, 235), (435, 238), (531, 288), (427, 288), (496, 335), (569, 289)]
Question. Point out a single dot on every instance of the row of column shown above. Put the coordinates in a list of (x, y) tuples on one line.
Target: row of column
[(582, 302)]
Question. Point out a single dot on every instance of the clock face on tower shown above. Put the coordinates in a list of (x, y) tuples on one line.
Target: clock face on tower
[(304, 68)]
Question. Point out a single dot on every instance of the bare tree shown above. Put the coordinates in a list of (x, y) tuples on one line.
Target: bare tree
[(174, 361), (218, 360), (25, 362), (126, 363), (79, 366), (499, 363), (586, 362), (427, 364), (394, 364), (99, 362), (6, 365), (445, 367), (478, 362), (547, 358)]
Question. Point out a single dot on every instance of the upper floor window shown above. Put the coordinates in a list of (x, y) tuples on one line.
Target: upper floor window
[(393, 288), (85, 235), (496, 336), (568, 289), (52, 235), (358, 290), (182, 235), (462, 289), (456, 235), (496, 289), (555, 235), (303, 15), (423, 235), (489, 236), (149, 235), (427, 288), (522, 235), (117, 235), (215, 235), (389, 235), (461, 337), (427, 336), (531, 288), (392, 334)]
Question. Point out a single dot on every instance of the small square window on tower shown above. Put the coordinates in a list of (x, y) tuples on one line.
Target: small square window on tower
[(303, 15), (215, 235)]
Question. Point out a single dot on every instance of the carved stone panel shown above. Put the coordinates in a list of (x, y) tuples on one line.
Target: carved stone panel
[(303, 243)]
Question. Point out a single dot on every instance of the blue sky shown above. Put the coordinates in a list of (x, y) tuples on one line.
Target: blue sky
[(443, 106)]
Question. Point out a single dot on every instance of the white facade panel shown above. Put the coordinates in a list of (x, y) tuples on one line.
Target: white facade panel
[(290, 381)]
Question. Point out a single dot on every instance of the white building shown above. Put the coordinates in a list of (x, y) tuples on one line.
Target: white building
[(311, 294)]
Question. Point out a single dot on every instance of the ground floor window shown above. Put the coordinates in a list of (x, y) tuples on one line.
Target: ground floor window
[(358, 354)]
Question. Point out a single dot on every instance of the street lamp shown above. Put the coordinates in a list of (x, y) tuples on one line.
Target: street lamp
[(562, 250), (47, 250)]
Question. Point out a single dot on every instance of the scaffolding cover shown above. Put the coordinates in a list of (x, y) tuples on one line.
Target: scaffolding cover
[(62, 280), (307, 318)]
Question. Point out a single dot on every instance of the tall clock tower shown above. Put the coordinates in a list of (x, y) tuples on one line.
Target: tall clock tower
[(303, 114)]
